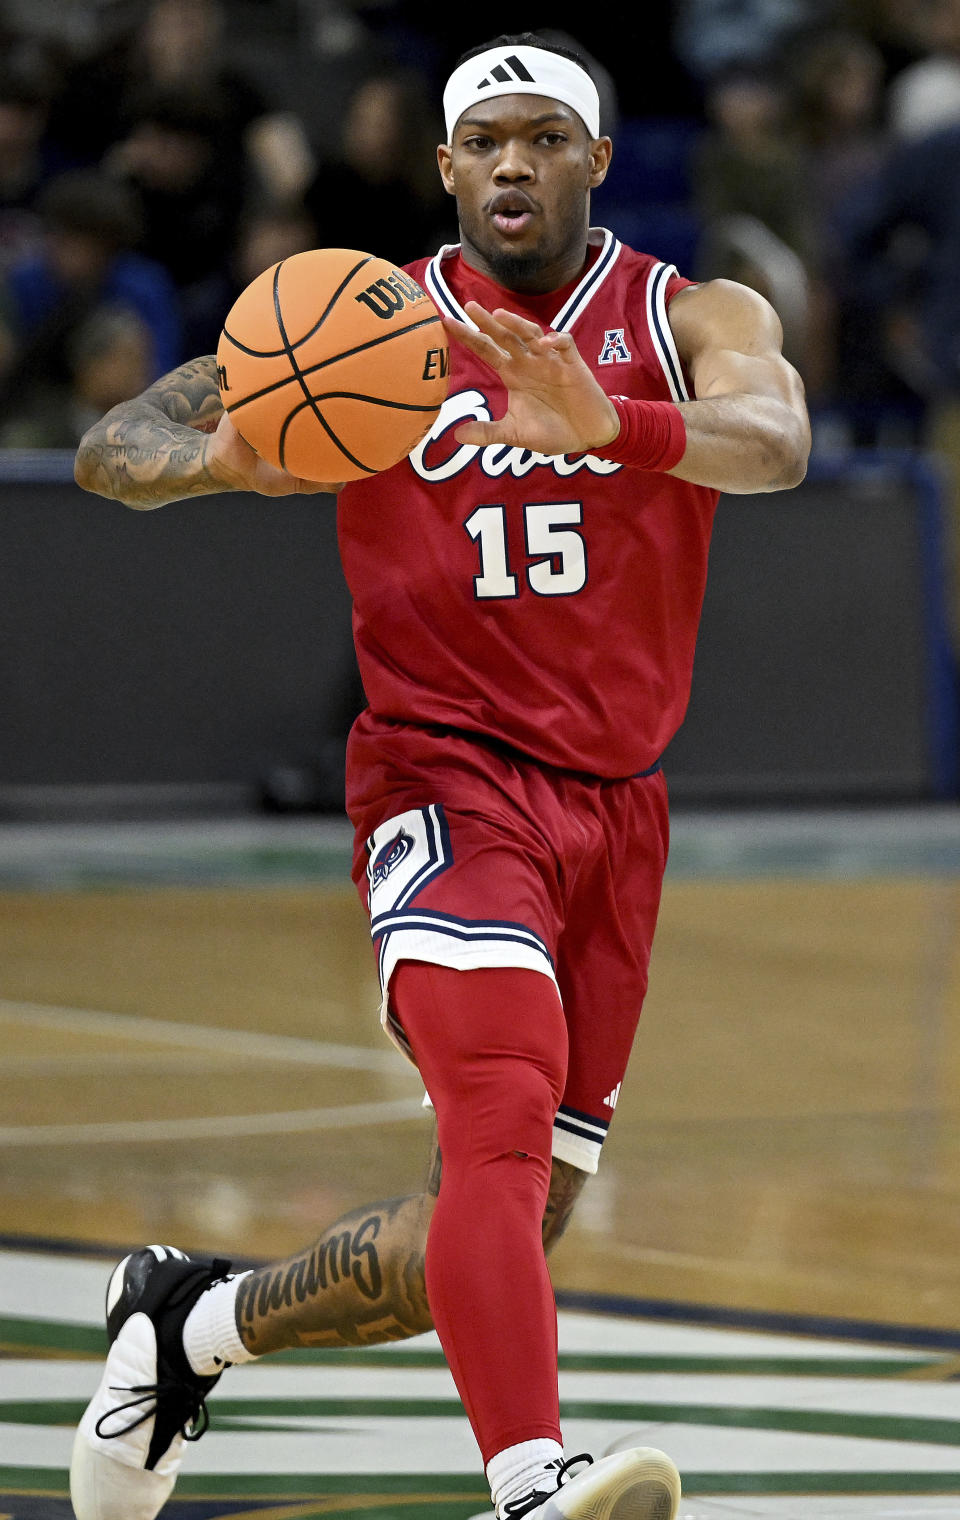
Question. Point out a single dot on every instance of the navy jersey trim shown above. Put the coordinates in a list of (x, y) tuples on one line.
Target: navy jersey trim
[(589, 285), (660, 330), (440, 290), (610, 251), (578, 1113), (467, 931), (459, 928), (583, 1126)]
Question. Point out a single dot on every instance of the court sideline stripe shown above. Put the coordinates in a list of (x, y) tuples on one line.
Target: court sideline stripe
[(224, 1127), (246, 1042)]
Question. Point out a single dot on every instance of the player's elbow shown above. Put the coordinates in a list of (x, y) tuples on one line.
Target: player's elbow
[(792, 455), (794, 470)]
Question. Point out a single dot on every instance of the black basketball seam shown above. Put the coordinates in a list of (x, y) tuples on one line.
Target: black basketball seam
[(398, 406), (403, 406), (329, 432), (275, 353), (297, 374), (347, 353)]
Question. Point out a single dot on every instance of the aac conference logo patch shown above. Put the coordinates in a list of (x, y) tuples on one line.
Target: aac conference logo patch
[(614, 350)]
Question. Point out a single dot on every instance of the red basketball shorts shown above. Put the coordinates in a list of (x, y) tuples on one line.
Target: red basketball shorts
[(468, 855)]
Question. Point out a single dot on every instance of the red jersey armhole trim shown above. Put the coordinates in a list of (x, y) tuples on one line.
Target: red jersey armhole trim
[(674, 285)]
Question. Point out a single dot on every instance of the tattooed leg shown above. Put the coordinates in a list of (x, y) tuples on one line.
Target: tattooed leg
[(360, 1283), (566, 1185), (363, 1281)]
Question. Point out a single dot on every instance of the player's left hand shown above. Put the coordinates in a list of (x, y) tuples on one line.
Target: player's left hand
[(554, 404)]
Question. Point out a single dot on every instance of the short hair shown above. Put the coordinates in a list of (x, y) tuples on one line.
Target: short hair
[(526, 39)]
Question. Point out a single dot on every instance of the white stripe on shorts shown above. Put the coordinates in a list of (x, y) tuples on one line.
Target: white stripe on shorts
[(462, 944)]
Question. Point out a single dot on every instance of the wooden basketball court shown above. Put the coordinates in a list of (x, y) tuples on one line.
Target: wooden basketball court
[(192, 1054), (786, 1139)]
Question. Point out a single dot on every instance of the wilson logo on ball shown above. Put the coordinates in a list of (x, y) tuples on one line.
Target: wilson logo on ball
[(437, 364), (337, 364), (386, 296)]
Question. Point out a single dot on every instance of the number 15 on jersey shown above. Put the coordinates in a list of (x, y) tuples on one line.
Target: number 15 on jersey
[(556, 551)]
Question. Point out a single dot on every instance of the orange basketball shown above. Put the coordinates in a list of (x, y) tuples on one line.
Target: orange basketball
[(333, 364)]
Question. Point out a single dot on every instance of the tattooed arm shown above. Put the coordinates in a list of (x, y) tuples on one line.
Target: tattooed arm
[(176, 441)]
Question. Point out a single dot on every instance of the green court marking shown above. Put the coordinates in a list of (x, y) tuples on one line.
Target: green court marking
[(734, 846), (269, 1415), (693, 1483), (596, 1361), (23, 1337), (256, 866), (444, 1488), (233, 1415)]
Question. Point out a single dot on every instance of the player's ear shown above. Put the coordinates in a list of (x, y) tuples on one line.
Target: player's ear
[(445, 161), (601, 152)]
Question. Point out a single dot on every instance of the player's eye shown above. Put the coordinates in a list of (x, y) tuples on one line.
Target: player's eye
[(478, 143), (553, 139)]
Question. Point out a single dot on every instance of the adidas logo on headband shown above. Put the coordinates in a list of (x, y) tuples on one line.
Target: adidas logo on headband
[(522, 71), (512, 68)]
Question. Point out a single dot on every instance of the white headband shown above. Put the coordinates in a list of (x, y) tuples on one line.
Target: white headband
[(521, 71)]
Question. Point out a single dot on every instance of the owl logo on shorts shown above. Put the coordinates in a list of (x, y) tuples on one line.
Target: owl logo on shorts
[(389, 856)]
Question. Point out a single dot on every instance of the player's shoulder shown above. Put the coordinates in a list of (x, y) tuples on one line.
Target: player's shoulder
[(724, 311)]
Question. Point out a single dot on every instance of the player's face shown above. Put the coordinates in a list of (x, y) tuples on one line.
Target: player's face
[(522, 168)]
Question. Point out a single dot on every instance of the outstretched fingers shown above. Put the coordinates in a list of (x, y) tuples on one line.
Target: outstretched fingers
[(510, 330), (504, 340), (521, 336), (478, 343)]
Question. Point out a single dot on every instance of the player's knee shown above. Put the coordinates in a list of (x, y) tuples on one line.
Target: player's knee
[(503, 1106), (534, 1094)]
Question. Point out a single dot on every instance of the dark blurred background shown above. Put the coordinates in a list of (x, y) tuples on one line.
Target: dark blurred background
[(155, 155)]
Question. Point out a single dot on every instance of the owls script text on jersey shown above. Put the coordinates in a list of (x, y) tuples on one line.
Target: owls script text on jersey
[(548, 602)]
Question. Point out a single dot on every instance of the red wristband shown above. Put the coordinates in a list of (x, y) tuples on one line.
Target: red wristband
[(652, 436)]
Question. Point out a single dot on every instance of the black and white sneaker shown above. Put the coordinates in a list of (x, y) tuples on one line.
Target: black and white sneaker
[(128, 1445), (640, 1483)]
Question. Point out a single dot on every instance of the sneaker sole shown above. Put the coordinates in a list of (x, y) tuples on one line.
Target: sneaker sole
[(103, 1489), (639, 1484), (103, 1485)]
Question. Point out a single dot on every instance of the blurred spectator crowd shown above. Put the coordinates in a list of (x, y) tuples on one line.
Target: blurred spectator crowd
[(155, 155)]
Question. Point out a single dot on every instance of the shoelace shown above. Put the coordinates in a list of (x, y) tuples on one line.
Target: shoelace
[(519, 1507), (197, 1420), (194, 1425)]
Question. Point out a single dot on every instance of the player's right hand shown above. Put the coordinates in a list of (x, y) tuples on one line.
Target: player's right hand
[(231, 460)]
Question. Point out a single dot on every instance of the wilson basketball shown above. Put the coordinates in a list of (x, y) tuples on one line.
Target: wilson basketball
[(333, 364)]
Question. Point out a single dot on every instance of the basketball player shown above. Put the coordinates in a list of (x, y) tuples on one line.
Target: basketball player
[(527, 589)]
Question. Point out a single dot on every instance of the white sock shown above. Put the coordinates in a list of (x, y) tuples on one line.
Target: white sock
[(517, 1470), (211, 1339)]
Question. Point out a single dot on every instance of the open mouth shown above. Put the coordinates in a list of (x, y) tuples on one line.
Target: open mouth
[(511, 212)]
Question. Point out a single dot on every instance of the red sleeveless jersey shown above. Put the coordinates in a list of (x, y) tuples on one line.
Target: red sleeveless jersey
[(551, 603)]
